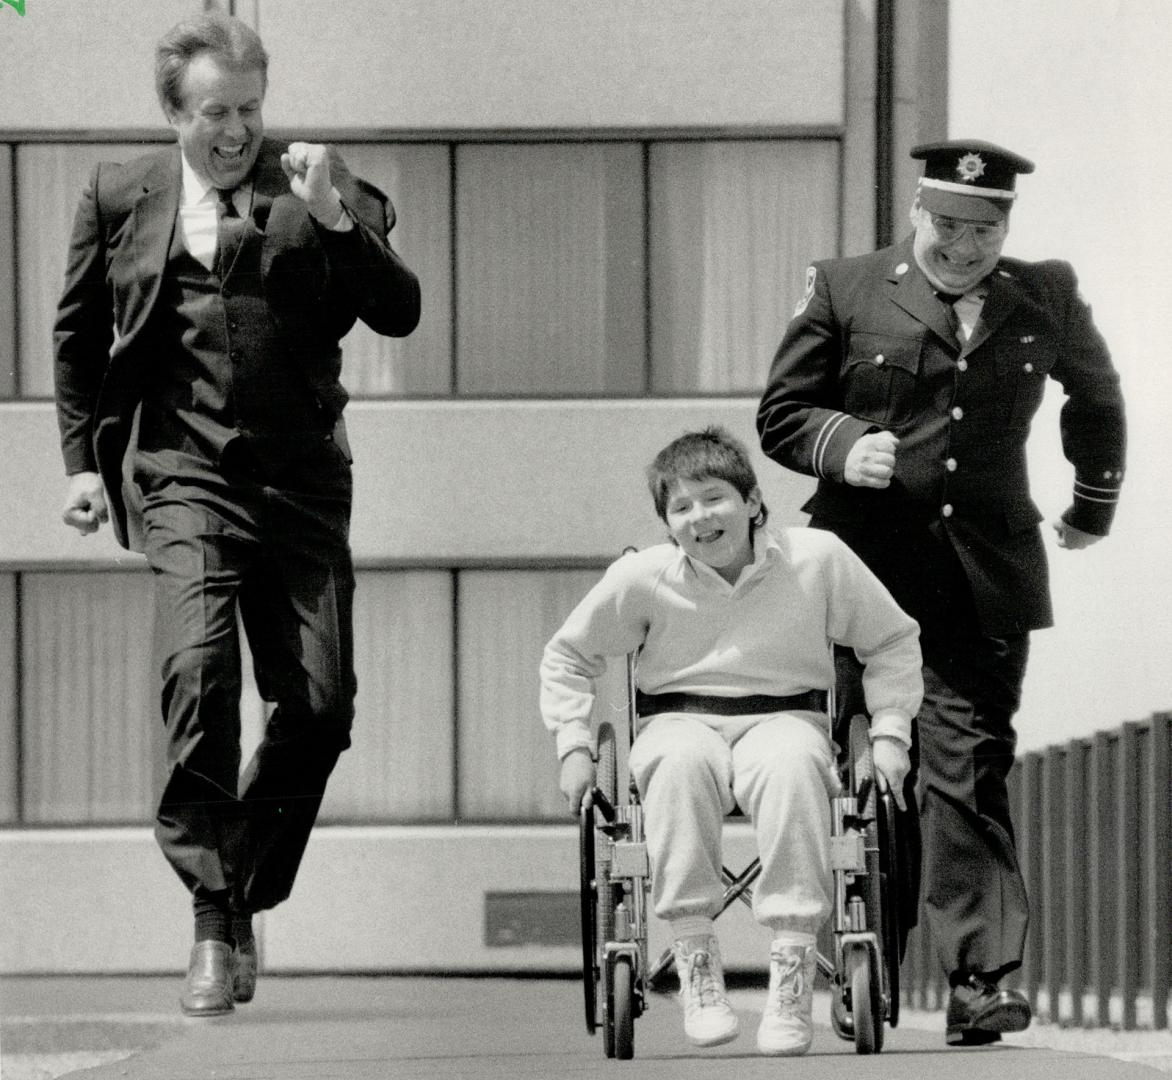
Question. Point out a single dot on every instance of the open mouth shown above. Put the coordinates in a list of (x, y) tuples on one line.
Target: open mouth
[(229, 155), (709, 537)]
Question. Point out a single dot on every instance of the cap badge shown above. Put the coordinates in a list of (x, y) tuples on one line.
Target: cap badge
[(970, 167)]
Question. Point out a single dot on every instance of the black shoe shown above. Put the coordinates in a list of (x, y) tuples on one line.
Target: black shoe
[(244, 965), (208, 989), (980, 1011)]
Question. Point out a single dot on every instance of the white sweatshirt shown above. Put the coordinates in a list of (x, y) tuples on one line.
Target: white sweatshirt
[(770, 633)]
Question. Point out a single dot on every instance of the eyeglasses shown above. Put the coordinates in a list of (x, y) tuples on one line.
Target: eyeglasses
[(950, 230)]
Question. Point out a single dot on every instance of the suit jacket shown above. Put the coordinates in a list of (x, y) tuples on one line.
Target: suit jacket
[(315, 283), (870, 348)]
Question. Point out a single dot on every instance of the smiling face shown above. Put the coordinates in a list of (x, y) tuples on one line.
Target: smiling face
[(712, 523), (219, 124), (959, 259)]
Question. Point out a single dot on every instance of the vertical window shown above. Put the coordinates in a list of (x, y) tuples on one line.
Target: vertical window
[(7, 277), (92, 735), (50, 181), (399, 766), (9, 700), (507, 762), (417, 179), (732, 225), (549, 269)]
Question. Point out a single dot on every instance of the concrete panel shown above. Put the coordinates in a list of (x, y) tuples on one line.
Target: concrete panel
[(441, 482), (75, 66), (103, 901), (531, 64), (93, 900), (415, 900)]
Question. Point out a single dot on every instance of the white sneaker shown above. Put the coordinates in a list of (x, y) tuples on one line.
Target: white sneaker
[(709, 1019), (787, 1025)]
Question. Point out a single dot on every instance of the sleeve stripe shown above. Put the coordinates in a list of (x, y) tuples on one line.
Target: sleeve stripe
[(833, 423), (1092, 498)]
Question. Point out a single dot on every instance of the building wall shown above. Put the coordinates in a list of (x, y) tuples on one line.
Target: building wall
[(610, 207)]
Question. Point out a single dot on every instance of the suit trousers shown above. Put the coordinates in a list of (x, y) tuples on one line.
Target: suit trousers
[(691, 771), (265, 547)]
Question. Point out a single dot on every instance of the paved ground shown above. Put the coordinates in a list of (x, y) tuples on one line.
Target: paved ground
[(402, 1028)]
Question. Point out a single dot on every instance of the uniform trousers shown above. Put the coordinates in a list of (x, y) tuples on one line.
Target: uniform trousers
[(961, 852), (974, 896), (266, 548), (692, 771)]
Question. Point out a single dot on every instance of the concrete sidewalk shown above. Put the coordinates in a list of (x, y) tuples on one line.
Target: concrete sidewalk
[(414, 1028)]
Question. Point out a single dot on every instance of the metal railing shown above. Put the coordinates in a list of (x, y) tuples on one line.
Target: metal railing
[(1094, 836)]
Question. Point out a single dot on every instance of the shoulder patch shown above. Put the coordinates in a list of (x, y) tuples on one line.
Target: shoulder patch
[(811, 277)]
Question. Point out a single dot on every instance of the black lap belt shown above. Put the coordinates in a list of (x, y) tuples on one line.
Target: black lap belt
[(651, 704)]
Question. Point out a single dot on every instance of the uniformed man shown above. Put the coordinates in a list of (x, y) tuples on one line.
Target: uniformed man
[(906, 383)]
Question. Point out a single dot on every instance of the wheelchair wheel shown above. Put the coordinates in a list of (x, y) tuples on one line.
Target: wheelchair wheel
[(889, 866), (596, 893), (866, 1003), (620, 1023), (862, 773), (588, 899)]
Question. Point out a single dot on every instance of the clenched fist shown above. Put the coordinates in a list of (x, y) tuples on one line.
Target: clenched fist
[(871, 461)]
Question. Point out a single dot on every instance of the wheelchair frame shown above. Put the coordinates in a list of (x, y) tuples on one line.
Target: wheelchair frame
[(615, 879)]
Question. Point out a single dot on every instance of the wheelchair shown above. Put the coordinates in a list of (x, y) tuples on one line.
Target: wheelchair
[(863, 968)]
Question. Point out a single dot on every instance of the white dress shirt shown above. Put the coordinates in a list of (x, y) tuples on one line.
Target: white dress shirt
[(198, 203)]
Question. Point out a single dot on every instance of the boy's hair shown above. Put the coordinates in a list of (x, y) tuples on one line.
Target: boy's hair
[(702, 455)]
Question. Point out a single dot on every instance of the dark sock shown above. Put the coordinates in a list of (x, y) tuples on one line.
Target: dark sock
[(241, 929), (213, 921)]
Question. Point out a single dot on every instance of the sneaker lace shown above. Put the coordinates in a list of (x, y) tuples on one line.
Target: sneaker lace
[(790, 981), (703, 985)]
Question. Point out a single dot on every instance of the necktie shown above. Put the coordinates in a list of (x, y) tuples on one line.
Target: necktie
[(949, 300), (229, 225)]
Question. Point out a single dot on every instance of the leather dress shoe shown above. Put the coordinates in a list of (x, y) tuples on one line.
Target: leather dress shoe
[(208, 988), (979, 1012), (244, 965)]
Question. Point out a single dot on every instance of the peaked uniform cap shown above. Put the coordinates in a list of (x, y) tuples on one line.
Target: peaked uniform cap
[(968, 178)]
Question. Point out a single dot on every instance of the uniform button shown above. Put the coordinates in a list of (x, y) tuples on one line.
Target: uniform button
[(1107, 475), (958, 413), (962, 365), (1028, 368), (950, 464), (946, 509), (879, 358)]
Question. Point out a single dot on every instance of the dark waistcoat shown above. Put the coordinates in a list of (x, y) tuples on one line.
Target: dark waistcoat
[(222, 369)]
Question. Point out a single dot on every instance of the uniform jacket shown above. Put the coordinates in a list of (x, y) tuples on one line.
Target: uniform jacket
[(870, 348), (316, 287)]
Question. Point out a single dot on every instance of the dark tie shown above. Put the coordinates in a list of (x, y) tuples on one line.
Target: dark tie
[(948, 300), (229, 226)]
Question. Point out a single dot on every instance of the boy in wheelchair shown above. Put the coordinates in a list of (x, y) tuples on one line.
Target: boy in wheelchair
[(733, 625)]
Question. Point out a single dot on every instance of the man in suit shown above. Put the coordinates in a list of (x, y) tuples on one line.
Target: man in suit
[(197, 363), (906, 383)]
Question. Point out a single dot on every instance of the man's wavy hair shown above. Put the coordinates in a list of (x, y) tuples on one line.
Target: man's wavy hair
[(233, 42), (703, 455)]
